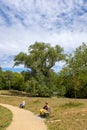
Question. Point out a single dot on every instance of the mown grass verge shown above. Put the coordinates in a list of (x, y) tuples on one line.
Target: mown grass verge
[(5, 117)]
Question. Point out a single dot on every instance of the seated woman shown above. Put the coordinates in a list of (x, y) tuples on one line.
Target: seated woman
[(45, 110), (22, 105)]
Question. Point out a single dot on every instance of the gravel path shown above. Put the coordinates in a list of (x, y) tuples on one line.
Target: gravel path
[(24, 119)]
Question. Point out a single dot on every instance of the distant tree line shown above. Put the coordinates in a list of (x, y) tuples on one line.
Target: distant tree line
[(11, 80), (42, 81)]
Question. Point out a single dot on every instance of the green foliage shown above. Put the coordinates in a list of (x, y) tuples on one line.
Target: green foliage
[(18, 81), (74, 75), (44, 91), (21, 58), (34, 88), (7, 78), (31, 87), (71, 81), (1, 83), (10, 80), (40, 59)]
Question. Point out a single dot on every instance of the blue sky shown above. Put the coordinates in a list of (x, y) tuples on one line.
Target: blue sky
[(22, 22)]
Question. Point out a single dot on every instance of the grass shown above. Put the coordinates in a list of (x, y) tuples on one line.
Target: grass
[(71, 104), (66, 114), (5, 118)]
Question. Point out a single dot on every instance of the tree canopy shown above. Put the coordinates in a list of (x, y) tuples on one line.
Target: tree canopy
[(76, 72), (40, 56), (40, 59), (71, 81)]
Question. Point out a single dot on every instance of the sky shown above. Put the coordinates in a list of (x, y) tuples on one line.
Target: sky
[(23, 22)]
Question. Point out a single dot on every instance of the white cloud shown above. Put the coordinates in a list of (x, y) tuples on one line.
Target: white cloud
[(22, 22)]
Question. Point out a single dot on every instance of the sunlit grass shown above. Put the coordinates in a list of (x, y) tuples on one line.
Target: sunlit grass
[(71, 104), (5, 117), (66, 114)]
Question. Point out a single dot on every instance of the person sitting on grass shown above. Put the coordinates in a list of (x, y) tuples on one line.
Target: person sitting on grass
[(45, 111), (22, 105)]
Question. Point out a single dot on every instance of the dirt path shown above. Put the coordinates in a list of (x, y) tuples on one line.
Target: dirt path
[(24, 120)]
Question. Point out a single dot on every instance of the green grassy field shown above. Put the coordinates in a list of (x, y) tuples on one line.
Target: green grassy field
[(66, 114)]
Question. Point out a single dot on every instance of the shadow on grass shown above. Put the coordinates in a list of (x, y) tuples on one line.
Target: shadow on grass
[(13, 93)]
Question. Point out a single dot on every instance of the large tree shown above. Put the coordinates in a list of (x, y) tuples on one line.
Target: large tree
[(40, 59), (77, 68), (41, 56)]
